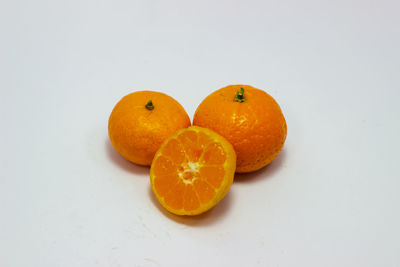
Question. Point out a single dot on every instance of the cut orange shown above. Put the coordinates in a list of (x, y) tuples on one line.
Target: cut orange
[(192, 171)]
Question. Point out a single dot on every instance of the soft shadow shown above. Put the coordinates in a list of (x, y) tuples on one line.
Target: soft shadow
[(266, 172), (205, 219), (124, 164)]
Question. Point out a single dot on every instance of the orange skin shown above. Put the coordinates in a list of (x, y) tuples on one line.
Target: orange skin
[(255, 127), (137, 131)]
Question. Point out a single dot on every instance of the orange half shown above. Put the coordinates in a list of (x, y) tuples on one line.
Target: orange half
[(192, 171)]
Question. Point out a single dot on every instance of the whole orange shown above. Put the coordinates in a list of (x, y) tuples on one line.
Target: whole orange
[(141, 121), (250, 119)]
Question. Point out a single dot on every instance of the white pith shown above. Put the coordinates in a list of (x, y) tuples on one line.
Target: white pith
[(190, 166)]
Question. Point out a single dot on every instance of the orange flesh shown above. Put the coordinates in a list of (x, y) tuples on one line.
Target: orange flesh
[(189, 171)]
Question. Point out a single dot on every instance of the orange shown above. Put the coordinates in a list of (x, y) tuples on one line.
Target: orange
[(192, 171), (250, 119), (141, 121)]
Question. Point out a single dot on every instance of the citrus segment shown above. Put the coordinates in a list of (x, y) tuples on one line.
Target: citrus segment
[(214, 154), (190, 199), (164, 166), (206, 191), (213, 175), (174, 150), (191, 146), (192, 171), (174, 197)]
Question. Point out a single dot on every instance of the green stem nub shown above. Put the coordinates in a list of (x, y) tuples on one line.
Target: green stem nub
[(149, 105), (240, 96)]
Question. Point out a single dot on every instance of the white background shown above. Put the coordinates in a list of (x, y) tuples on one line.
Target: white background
[(332, 198)]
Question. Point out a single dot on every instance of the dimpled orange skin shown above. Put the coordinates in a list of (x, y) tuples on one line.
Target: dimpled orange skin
[(256, 127), (137, 132)]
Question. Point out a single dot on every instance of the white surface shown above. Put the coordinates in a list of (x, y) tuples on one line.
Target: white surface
[(332, 198)]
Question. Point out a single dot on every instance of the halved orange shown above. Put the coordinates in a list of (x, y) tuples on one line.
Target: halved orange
[(192, 171)]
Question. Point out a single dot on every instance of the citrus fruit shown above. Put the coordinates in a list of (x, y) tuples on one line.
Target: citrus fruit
[(141, 121), (250, 119), (192, 171)]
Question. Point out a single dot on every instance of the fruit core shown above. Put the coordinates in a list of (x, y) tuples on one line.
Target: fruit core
[(189, 172)]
